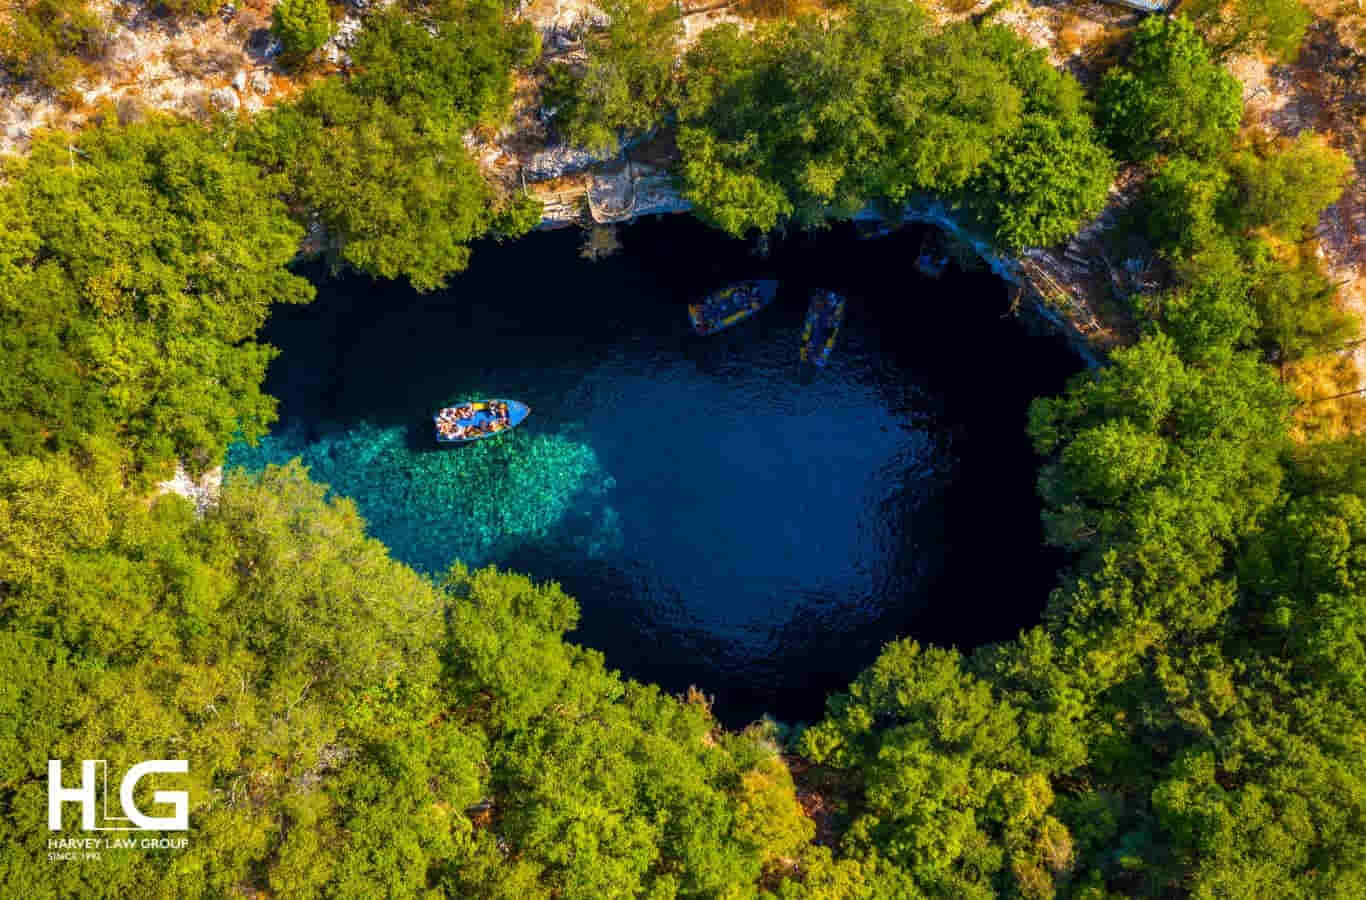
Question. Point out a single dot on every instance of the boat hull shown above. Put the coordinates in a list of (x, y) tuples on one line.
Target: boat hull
[(481, 415), (824, 315), (731, 305)]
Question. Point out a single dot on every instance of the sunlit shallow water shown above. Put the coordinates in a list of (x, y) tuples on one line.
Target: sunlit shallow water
[(725, 517)]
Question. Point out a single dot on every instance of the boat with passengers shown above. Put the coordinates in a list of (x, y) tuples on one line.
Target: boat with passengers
[(475, 420)]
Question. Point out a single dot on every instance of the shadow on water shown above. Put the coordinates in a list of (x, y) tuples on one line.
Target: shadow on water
[(726, 517)]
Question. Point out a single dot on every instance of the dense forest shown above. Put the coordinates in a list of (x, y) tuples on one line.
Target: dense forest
[(1188, 719)]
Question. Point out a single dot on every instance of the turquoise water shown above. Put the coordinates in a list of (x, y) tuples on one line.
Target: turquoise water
[(725, 517), (475, 504)]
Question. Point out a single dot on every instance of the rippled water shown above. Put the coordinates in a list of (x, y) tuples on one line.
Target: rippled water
[(725, 517)]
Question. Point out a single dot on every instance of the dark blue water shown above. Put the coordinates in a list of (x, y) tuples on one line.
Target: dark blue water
[(725, 517)]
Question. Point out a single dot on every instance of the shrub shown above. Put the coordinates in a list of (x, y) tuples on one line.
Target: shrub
[(1170, 96), (628, 84), (302, 25), (452, 63), (1286, 189), (44, 41)]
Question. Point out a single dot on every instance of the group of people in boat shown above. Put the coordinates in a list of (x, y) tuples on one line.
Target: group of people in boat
[(453, 421)]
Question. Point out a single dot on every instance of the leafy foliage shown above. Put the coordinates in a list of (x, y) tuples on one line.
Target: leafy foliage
[(812, 119), (397, 199), (137, 266), (302, 25), (448, 62), (628, 85), (950, 794), (1285, 189), (1244, 26), (381, 163), (1226, 225), (352, 726), (1187, 719), (44, 40), (1170, 96), (1166, 460)]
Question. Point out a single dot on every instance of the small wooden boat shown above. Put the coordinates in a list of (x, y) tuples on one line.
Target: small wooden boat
[(478, 419), (824, 315), (731, 304)]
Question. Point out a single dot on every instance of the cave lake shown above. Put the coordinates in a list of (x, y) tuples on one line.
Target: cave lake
[(726, 517)]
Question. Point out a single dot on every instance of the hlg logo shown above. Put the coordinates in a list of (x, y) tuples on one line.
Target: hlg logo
[(93, 791)]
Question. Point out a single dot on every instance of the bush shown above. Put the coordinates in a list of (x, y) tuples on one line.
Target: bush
[(401, 198), (628, 85), (1244, 26), (1047, 179), (1170, 96), (45, 40), (302, 25), (1286, 189), (1184, 202), (452, 64)]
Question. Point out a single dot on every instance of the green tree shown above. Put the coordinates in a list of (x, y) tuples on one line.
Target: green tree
[(45, 40), (627, 86), (350, 726), (1213, 312), (397, 197), (950, 792), (138, 264), (302, 25), (1048, 180), (1286, 189), (813, 119), (1170, 96), (1167, 461), (1185, 202), (447, 62), (1244, 26), (1298, 306)]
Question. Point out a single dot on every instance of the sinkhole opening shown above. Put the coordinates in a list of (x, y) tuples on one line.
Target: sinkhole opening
[(726, 517)]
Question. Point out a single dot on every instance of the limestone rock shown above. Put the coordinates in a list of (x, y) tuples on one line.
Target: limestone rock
[(262, 82), (225, 99), (560, 160), (202, 492)]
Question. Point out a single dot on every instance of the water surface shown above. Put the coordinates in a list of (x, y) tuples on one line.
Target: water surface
[(726, 517)]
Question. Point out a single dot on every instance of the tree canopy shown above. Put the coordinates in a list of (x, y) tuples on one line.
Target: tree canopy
[(353, 726), (1170, 96), (813, 118), (302, 25), (1186, 720), (137, 265), (628, 83), (381, 161)]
